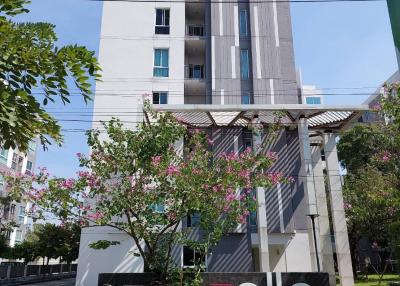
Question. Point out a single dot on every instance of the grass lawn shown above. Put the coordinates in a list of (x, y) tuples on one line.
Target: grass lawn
[(373, 280)]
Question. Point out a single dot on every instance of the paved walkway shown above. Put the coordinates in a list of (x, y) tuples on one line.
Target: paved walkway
[(64, 282)]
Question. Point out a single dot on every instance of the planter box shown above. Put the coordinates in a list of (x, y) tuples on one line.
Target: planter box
[(219, 279)]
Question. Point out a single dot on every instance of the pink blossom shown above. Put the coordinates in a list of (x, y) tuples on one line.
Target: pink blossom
[(377, 107), (210, 141), (172, 170), (275, 178), (226, 208), (386, 156), (347, 206), (66, 184), (79, 155), (156, 160), (83, 174), (391, 211), (230, 197), (95, 216), (272, 156), (245, 174), (242, 219)]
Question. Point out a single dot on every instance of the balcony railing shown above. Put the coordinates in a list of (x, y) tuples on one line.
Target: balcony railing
[(195, 72), (195, 30)]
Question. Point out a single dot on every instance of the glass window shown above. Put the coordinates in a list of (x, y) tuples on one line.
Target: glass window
[(12, 209), (192, 257), (161, 63), (243, 23), (3, 153), (32, 146), (194, 30), (29, 165), (196, 71), (246, 98), (162, 21), (158, 208), (160, 98), (21, 211), (18, 236), (193, 220), (244, 64), (313, 100)]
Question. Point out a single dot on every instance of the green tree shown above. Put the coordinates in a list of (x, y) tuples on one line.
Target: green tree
[(138, 183), (33, 69), (25, 250)]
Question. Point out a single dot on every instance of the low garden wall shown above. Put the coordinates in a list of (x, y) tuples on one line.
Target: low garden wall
[(223, 279)]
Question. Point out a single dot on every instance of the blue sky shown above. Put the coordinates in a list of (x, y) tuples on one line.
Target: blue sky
[(346, 44)]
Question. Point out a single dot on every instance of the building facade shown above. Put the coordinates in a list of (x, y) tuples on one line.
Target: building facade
[(16, 162), (226, 64)]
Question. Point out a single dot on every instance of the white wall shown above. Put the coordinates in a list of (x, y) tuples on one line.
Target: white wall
[(127, 54), (115, 259)]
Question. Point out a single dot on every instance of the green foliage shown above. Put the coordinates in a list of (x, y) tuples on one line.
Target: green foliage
[(372, 202), (103, 244), (139, 183), (47, 241), (395, 238), (362, 144), (31, 67)]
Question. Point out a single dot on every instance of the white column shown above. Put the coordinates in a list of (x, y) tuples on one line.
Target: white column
[(262, 219), (307, 178), (338, 214), (325, 246)]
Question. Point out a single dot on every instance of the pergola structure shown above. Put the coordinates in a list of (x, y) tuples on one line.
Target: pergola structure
[(318, 117), (316, 126)]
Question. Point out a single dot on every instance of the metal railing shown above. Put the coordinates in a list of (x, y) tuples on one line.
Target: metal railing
[(195, 30), (18, 271)]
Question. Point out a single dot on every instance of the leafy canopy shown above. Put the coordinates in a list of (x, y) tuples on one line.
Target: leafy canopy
[(34, 69), (139, 183)]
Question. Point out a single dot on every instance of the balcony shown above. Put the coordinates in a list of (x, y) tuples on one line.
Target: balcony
[(195, 30), (195, 84)]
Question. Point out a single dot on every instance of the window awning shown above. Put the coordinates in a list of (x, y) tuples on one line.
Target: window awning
[(319, 116)]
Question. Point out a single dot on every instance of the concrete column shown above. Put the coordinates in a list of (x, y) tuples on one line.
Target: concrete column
[(262, 219), (307, 178), (325, 246), (338, 214)]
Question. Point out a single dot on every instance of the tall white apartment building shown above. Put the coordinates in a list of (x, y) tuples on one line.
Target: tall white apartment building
[(224, 65)]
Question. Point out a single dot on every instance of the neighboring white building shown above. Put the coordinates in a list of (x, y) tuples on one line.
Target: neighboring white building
[(311, 95), (16, 162)]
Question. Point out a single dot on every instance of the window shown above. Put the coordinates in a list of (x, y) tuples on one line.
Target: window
[(162, 21), (313, 100), (18, 236), (29, 166), (158, 208), (244, 64), (253, 215), (243, 23), (160, 98), (193, 220), (21, 211), (197, 31), (192, 257), (246, 98), (12, 209), (161, 63), (3, 153), (196, 71), (32, 146)]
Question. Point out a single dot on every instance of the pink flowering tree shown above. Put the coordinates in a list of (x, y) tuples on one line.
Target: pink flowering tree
[(137, 182)]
